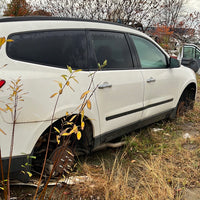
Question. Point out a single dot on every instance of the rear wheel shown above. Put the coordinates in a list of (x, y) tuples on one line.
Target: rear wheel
[(61, 158)]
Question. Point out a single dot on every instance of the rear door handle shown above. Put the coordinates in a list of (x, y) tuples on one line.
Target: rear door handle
[(151, 80), (104, 85)]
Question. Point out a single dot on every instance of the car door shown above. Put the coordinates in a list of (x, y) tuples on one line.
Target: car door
[(119, 93), (189, 53), (159, 80)]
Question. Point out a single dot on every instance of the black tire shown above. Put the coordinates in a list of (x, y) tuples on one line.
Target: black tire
[(86, 143)]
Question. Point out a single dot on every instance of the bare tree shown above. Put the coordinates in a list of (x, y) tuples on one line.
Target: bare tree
[(125, 11), (3, 4), (187, 29), (171, 12)]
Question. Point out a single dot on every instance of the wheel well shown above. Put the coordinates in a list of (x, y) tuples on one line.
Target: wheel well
[(60, 124), (185, 102), (82, 146), (189, 91)]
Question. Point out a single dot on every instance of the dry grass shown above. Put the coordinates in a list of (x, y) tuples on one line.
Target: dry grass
[(108, 184), (154, 165)]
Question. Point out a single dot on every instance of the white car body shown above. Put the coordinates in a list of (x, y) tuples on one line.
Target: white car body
[(134, 98)]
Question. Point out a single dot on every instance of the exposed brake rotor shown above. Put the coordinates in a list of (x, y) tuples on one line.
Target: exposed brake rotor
[(61, 161)]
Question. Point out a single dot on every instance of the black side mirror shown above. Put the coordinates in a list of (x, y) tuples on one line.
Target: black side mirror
[(174, 63)]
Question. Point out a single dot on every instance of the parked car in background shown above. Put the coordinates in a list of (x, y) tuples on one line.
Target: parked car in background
[(140, 84), (189, 55)]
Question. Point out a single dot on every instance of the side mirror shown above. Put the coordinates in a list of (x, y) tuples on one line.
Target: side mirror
[(174, 63)]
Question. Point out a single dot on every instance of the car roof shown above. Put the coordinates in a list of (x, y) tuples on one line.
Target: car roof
[(122, 27), (49, 18)]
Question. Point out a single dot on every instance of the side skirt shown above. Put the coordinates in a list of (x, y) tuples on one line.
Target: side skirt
[(111, 135)]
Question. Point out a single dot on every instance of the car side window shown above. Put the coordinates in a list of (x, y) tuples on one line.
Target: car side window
[(149, 54), (197, 54), (53, 48), (112, 47), (188, 52)]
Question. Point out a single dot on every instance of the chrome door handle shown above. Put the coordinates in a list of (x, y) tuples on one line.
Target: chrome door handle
[(104, 85), (151, 80)]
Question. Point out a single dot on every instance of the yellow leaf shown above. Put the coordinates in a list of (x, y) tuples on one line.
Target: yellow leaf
[(18, 80), (78, 135), (89, 104), (29, 174), (56, 129), (60, 91), (2, 41), (19, 90), (53, 95), (8, 108), (82, 125), (2, 131), (58, 139), (66, 134), (72, 118), (74, 79), (69, 68), (105, 63), (82, 115), (64, 131), (9, 40), (60, 84), (2, 109), (67, 83), (64, 76), (85, 93), (10, 98), (74, 130), (78, 70), (66, 113)]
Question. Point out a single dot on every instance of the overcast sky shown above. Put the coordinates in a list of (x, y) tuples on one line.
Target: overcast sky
[(193, 5)]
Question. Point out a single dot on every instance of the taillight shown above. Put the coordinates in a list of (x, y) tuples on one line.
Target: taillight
[(2, 82)]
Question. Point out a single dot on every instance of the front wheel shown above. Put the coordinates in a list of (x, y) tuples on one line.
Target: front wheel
[(185, 103)]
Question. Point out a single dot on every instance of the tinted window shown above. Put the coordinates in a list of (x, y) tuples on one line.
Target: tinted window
[(112, 47), (150, 56), (54, 48)]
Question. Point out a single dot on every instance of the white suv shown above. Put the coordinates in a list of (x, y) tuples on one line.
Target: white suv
[(139, 85)]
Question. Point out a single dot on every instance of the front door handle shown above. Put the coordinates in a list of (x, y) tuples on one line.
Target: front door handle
[(151, 80), (104, 85)]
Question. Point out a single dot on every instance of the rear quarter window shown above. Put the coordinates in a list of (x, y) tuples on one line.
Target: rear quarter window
[(53, 48)]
